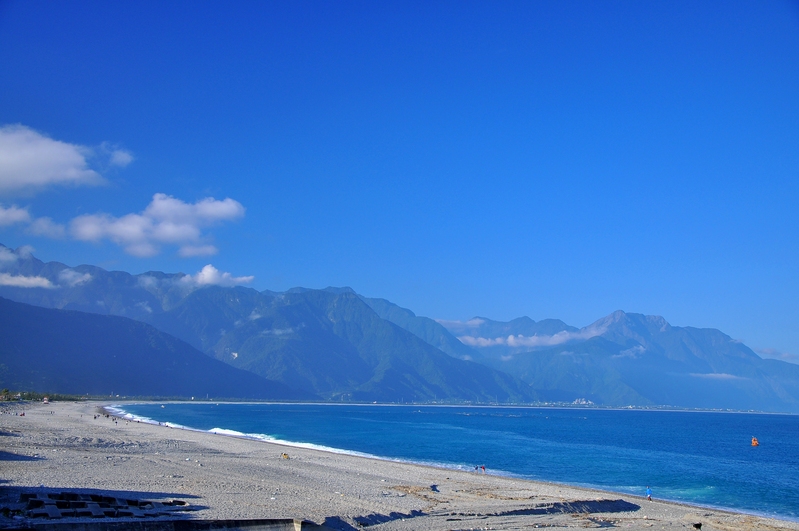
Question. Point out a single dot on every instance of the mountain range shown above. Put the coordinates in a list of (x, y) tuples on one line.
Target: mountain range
[(334, 344), (69, 352)]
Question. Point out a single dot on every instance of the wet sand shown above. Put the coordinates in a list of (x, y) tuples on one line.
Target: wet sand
[(223, 477)]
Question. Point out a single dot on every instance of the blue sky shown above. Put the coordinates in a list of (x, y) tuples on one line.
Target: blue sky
[(550, 159)]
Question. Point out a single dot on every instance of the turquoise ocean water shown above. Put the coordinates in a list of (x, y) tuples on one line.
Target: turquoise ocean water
[(703, 458)]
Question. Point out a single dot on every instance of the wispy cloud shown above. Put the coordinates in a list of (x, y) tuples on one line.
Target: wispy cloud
[(211, 276), (36, 226), (717, 376), (13, 215), (31, 161), (282, 331), (72, 278), (20, 281), (632, 352), (532, 341), (254, 316), (7, 255), (188, 251), (46, 227), (144, 305), (148, 282), (115, 155), (774, 354), (25, 251), (457, 327), (471, 323), (166, 220)]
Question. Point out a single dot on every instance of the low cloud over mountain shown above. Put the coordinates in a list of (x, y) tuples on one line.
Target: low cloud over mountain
[(336, 344)]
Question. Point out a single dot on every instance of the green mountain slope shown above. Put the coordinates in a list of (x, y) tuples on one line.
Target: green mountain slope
[(338, 347), (428, 330), (62, 351), (642, 360), (342, 346)]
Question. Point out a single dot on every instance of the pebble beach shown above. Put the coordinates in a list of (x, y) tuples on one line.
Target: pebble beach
[(75, 447)]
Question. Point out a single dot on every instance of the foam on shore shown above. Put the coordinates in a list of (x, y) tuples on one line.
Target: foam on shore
[(118, 410), (238, 476)]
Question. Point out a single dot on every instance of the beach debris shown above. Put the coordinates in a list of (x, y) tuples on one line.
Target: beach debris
[(697, 525), (284, 455), (377, 518), (74, 505)]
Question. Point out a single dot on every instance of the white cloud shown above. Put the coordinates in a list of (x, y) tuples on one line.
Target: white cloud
[(72, 278), (31, 161), (254, 316), (532, 341), (13, 214), (38, 227), (188, 251), (166, 220), (211, 276), (632, 352), (116, 156), (774, 354), (121, 158), (278, 332), (144, 305), (717, 376), (46, 227), (25, 251), (482, 341), (148, 282), (20, 281), (7, 255), (282, 331)]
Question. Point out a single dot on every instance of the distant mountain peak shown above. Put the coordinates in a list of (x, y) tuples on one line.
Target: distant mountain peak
[(620, 319), (339, 291)]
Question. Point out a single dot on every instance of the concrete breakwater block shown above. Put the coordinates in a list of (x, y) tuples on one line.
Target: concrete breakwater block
[(75, 505), (95, 512), (179, 525)]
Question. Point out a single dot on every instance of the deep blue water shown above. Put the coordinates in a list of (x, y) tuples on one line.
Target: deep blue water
[(703, 458)]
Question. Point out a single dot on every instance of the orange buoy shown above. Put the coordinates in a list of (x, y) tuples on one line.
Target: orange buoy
[(754, 442)]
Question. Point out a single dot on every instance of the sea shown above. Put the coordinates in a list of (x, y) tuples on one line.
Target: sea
[(696, 457)]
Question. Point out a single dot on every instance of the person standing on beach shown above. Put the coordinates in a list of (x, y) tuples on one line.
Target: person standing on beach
[(648, 493)]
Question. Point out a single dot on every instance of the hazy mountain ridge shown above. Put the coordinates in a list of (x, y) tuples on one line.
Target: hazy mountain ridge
[(70, 352), (335, 345), (326, 342), (343, 346), (427, 329), (626, 358)]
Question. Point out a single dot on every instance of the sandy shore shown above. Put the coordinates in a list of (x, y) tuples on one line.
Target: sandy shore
[(62, 447)]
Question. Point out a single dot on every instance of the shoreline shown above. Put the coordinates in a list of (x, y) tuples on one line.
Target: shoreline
[(232, 477), (116, 409)]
